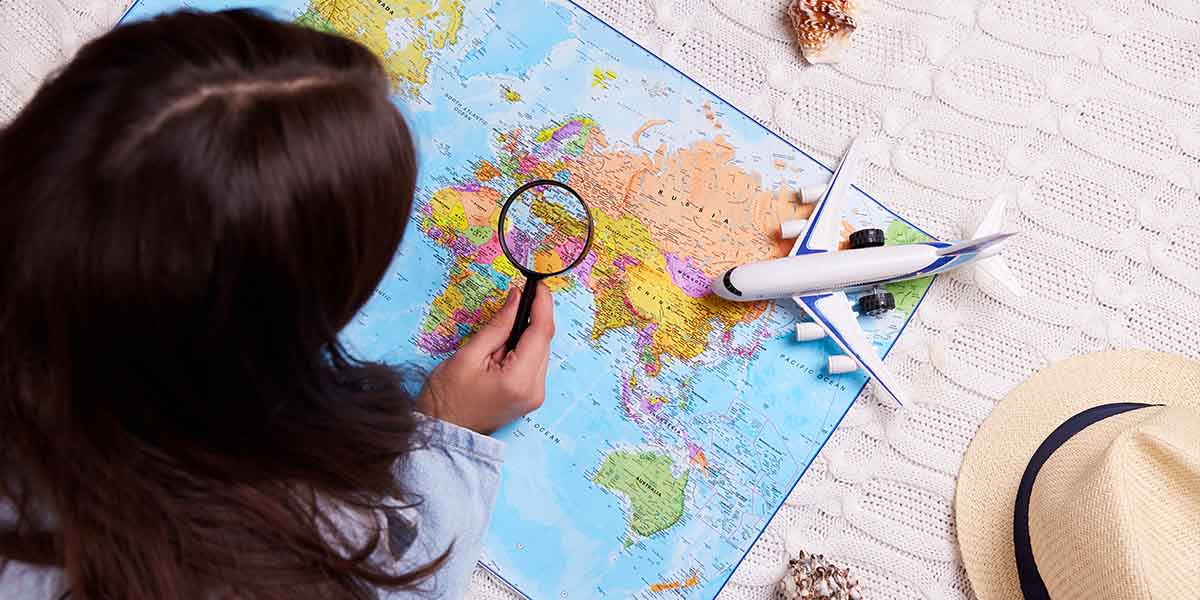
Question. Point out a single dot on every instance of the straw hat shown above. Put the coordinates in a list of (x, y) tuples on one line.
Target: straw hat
[(1096, 463)]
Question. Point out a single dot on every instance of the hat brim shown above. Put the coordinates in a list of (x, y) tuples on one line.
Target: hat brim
[(985, 496)]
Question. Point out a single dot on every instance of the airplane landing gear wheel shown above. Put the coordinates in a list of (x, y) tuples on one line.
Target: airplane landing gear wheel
[(876, 302), (866, 238)]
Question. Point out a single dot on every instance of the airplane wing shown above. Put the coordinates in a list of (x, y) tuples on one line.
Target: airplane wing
[(824, 230), (832, 312)]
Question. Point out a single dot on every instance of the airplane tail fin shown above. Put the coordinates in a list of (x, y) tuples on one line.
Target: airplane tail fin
[(987, 238), (993, 220)]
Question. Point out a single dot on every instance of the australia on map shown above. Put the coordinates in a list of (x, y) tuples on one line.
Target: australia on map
[(675, 423)]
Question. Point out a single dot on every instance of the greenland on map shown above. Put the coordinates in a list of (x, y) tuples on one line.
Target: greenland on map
[(675, 423)]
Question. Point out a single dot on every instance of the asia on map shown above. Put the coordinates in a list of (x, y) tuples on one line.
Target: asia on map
[(675, 423)]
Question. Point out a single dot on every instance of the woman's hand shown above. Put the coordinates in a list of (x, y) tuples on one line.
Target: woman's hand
[(481, 388)]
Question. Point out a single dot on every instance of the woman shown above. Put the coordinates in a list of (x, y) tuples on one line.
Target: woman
[(190, 212)]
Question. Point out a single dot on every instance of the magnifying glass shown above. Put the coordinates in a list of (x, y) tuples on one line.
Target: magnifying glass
[(545, 229)]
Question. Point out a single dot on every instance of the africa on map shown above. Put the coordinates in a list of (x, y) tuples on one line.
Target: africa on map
[(675, 423)]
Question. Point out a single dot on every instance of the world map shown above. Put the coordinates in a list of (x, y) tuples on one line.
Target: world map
[(675, 423)]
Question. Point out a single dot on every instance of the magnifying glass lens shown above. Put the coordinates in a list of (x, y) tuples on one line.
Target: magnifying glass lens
[(545, 229)]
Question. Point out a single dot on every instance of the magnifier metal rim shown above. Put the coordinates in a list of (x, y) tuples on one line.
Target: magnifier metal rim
[(587, 243)]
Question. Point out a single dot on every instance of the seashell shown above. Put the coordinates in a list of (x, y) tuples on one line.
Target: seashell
[(823, 27), (812, 577)]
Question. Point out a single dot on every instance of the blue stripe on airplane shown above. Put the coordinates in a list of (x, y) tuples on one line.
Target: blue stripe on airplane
[(976, 247), (815, 218)]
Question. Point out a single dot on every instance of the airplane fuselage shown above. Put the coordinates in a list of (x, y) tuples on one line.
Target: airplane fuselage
[(821, 272)]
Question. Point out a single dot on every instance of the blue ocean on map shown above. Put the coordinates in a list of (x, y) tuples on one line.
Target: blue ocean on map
[(675, 425), (520, 45)]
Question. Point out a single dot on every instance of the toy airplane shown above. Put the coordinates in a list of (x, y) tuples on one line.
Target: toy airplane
[(816, 274)]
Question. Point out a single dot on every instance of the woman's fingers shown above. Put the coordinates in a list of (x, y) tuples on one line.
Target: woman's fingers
[(491, 337), (480, 387), (534, 348)]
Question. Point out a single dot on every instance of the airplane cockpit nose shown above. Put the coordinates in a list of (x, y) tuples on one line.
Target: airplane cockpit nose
[(722, 286), (727, 282)]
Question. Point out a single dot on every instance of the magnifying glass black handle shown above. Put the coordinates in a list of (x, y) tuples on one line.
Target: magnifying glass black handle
[(523, 310)]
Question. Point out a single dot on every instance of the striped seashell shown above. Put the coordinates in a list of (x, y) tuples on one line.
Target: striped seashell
[(823, 27)]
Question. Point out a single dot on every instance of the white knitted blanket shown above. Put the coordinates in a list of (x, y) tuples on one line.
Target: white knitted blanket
[(1086, 113)]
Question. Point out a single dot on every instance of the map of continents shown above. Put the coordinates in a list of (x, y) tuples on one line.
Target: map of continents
[(675, 423)]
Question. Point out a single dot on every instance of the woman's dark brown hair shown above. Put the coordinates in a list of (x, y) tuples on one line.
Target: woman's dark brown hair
[(190, 212)]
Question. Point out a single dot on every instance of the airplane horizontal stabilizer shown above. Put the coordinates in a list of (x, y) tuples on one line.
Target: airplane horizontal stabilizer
[(997, 269)]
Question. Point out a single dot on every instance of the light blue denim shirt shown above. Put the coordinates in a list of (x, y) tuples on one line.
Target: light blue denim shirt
[(457, 475)]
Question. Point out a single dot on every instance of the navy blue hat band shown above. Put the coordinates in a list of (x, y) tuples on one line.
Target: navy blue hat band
[(1032, 585)]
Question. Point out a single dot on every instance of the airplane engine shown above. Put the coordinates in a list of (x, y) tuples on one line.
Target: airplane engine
[(792, 229), (809, 194), (841, 363), (807, 332)]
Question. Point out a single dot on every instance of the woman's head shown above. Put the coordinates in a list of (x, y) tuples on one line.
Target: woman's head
[(190, 211)]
